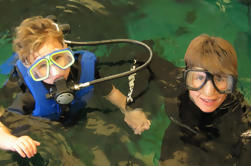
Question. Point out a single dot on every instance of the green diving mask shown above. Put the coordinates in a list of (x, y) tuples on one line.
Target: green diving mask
[(40, 69)]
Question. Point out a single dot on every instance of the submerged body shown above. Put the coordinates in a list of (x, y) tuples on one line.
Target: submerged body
[(55, 147), (197, 138)]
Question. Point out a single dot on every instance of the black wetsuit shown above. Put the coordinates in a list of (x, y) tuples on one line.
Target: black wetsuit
[(195, 138)]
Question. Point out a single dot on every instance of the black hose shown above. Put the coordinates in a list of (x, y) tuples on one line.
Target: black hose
[(91, 43)]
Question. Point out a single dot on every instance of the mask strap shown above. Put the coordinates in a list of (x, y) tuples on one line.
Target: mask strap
[(58, 29), (56, 26)]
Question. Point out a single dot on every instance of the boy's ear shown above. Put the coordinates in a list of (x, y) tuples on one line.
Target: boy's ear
[(65, 45)]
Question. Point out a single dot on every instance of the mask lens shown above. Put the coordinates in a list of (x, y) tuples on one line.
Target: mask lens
[(62, 59), (40, 70), (223, 82), (195, 79)]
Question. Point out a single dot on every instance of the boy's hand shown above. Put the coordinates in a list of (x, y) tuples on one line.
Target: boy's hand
[(24, 145), (137, 120)]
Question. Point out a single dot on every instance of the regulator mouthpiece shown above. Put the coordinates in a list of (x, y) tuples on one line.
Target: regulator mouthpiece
[(61, 92)]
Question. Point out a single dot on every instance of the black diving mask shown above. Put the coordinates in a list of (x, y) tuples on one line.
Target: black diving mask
[(195, 79)]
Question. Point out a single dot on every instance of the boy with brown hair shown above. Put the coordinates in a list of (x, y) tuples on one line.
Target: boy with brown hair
[(211, 71), (211, 116)]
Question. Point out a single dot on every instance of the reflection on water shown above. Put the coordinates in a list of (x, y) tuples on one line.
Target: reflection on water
[(223, 4), (103, 138), (94, 6)]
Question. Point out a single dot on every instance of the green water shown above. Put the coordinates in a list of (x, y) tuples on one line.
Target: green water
[(170, 24)]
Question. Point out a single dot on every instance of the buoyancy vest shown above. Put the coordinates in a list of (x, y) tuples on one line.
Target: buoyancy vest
[(48, 108)]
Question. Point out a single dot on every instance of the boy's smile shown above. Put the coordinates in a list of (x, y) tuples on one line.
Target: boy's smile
[(207, 98)]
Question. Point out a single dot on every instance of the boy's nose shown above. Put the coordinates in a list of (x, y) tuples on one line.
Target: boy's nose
[(54, 70), (208, 89)]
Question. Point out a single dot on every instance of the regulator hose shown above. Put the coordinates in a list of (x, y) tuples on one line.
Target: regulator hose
[(107, 78)]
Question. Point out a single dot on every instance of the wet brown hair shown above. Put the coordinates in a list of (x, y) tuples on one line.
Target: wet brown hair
[(32, 34), (213, 54)]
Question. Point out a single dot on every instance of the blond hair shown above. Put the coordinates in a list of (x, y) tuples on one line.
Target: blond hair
[(213, 54), (32, 34)]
